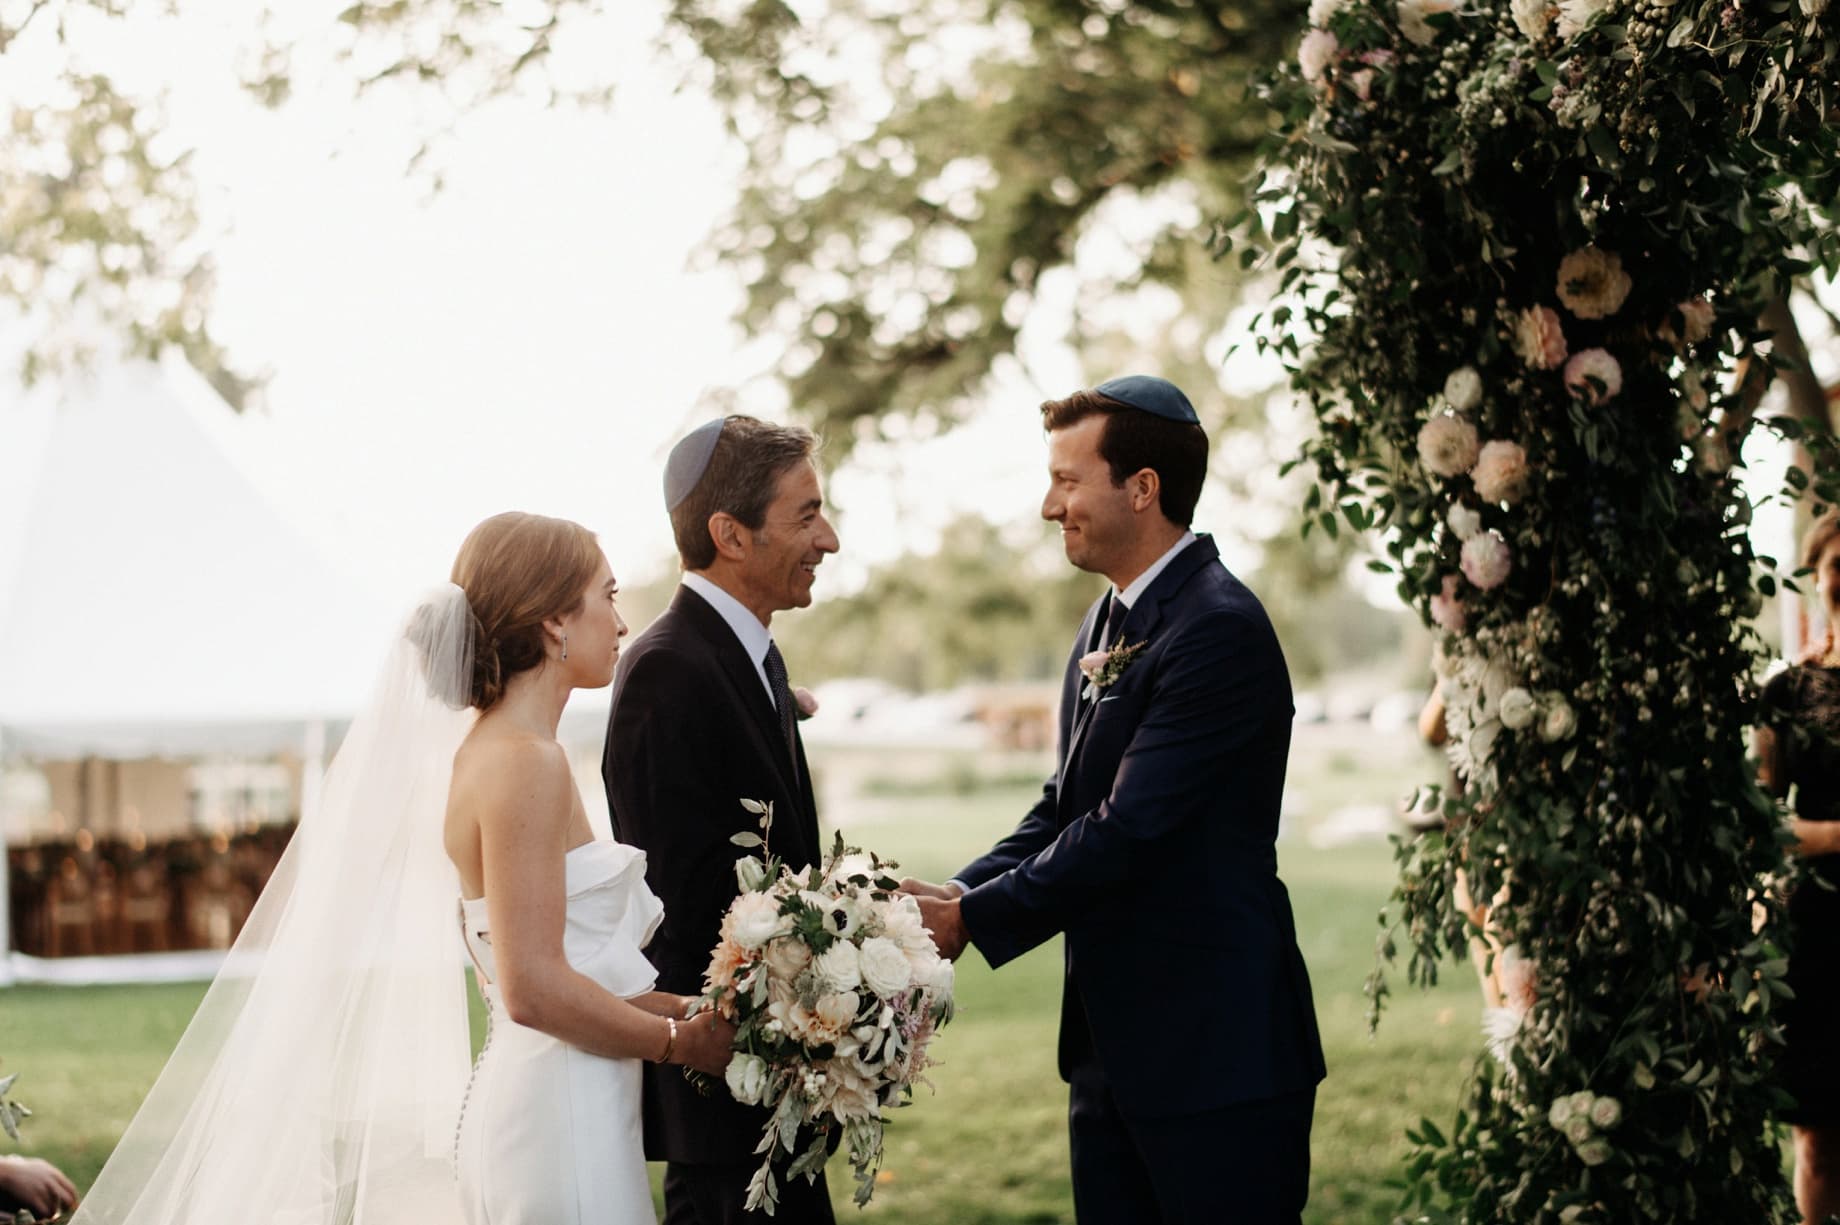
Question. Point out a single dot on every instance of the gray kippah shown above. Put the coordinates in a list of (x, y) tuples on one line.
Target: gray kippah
[(1149, 394), (683, 468)]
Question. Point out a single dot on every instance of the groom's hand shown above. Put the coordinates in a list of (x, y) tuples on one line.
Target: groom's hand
[(943, 920), (920, 888)]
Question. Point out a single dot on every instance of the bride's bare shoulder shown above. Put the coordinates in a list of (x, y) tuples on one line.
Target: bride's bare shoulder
[(499, 762)]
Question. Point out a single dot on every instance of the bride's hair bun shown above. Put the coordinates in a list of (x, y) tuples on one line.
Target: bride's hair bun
[(519, 570), (445, 633)]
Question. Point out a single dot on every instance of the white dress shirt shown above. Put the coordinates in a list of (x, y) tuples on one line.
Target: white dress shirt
[(1130, 595), (752, 635)]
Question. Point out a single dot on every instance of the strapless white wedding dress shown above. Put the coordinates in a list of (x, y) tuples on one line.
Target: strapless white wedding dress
[(549, 1134)]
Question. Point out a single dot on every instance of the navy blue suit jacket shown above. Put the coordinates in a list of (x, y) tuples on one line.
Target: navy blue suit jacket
[(1153, 850), (693, 732)]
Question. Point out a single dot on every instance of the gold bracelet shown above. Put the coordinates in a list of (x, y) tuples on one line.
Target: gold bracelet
[(670, 1040)]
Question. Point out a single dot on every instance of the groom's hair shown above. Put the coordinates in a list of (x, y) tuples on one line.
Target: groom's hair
[(740, 480), (1133, 440)]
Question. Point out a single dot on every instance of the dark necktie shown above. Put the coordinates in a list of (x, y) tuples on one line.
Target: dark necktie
[(782, 698), (1114, 618)]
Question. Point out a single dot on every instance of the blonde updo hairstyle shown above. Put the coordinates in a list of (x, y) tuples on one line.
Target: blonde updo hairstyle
[(519, 570)]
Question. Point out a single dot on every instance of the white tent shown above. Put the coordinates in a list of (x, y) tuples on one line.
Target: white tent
[(152, 601)]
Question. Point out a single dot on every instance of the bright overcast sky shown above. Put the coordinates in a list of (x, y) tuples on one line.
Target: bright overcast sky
[(530, 337)]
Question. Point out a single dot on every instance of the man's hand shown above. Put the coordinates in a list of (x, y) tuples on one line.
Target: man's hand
[(37, 1184), (942, 918), (920, 888)]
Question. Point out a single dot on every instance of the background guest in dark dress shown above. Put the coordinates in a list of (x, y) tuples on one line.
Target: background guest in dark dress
[(1798, 748)]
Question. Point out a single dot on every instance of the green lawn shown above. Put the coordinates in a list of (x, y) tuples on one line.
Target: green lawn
[(990, 1145)]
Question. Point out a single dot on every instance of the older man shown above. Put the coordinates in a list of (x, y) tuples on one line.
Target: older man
[(703, 718)]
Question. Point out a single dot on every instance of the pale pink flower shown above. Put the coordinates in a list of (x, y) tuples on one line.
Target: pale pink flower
[(806, 701), (1316, 52), (1501, 472), (1592, 283), (1362, 82), (1486, 561), (1447, 445), (1539, 337), (1447, 610), (1092, 661), (1589, 364)]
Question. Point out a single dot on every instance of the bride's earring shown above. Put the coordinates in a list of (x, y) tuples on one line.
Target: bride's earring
[(565, 646)]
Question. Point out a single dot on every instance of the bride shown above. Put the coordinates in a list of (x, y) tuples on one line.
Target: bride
[(323, 1079)]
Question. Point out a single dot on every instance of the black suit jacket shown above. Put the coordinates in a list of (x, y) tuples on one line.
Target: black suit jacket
[(691, 735), (1153, 849)]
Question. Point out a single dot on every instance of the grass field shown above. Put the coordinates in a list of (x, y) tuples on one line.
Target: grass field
[(990, 1146)]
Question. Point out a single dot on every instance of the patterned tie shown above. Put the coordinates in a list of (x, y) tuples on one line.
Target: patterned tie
[(782, 699)]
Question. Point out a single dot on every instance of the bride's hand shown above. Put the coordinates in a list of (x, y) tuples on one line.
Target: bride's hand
[(704, 1042)]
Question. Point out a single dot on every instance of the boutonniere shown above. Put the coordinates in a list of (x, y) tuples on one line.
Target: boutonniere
[(804, 702), (1103, 668)]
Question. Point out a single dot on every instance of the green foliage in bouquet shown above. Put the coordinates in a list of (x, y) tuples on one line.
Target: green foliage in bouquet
[(835, 990), (1523, 249)]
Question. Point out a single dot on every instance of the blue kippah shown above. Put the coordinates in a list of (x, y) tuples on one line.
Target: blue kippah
[(1149, 394), (683, 468)]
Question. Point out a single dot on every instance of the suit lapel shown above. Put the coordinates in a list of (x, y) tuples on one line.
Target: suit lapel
[(1141, 621), (743, 680)]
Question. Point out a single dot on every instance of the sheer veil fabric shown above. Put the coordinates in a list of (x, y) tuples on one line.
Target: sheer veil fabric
[(321, 1078)]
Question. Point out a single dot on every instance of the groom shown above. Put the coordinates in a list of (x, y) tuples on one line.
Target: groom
[(1187, 1033), (702, 719)]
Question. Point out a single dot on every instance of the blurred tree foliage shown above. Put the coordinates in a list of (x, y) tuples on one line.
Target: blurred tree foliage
[(1002, 604), (913, 172)]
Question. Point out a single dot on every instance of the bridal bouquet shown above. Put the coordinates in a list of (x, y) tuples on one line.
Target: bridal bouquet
[(835, 989)]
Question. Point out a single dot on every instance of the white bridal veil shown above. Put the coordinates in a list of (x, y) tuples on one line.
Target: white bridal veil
[(320, 1081)]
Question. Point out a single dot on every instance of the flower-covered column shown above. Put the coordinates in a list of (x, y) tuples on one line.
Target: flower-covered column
[(1523, 250)]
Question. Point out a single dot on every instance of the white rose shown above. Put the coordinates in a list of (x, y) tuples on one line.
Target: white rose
[(1606, 1112), (1558, 721), (787, 956), (1532, 16), (1560, 1112), (1518, 709), (884, 966), (1463, 521), (747, 1078), (750, 874), (1447, 445), (1463, 389), (1594, 1152), (1322, 10), (1315, 53), (840, 966), (756, 919), (1578, 1128)]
